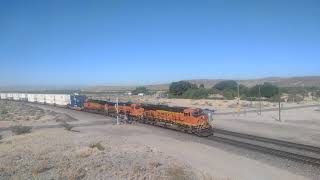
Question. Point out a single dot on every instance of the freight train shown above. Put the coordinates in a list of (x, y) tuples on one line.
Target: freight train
[(189, 120)]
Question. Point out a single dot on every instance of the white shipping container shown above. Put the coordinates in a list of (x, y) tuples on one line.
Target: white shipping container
[(40, 98), (62, 99), (22, 97), (15, 96), (10, 96), (3, 95), (31, 97), (49, 98)]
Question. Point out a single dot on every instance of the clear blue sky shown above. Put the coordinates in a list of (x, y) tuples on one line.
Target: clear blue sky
[(61, 42)]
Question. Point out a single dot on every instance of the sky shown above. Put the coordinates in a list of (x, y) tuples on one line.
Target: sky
[(117, 42)]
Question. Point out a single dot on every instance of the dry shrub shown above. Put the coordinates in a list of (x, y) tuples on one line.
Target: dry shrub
[(137, 172), (98, 146), (75, 174), (154, 165), (41, 167), (177, 173), (17, 130)]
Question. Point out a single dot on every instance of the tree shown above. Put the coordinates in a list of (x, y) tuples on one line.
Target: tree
[(139, 90), (229, 84), (229, 94), (178, 88), (196, 93), (201, 86), (267, 90)]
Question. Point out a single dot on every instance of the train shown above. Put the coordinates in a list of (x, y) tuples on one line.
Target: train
[(189, 120)]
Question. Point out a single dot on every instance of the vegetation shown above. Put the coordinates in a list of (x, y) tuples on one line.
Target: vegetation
[(17, 130), (139, 90), (267, 90), (226, 85), (98, 146), (179, 88), (229, 90), (198, 93)]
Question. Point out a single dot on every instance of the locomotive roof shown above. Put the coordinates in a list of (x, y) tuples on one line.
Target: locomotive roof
[(103, 102), (163, 107)]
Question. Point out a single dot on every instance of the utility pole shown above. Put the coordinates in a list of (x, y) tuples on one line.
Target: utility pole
[(117, 107), (238, 108), (279, 104), (259, 100), (238, 92)]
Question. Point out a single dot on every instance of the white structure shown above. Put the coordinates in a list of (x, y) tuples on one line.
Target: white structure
[(140, 94), (3, 95), (40, 98), (10, 96), (23, 97), (15, 96), (62, 99), (52, 99), (49, 99), (31, 97)]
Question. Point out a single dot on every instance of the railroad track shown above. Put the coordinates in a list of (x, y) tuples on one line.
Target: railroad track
[(283, 149)]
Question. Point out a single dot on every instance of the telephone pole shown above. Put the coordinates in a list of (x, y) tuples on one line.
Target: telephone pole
[(259, 100), (279, 104), (117, 107), (238, 108)]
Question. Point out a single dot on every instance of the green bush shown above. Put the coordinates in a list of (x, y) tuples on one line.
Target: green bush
[(179, 88), (17, 130), (267, 90), (196, 93), (229, 94), (229, 84), (139, 90)]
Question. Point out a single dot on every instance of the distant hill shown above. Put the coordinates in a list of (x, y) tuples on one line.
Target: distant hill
[(306, 81)]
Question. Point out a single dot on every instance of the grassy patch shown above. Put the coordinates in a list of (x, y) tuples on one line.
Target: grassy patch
[(17, 130)]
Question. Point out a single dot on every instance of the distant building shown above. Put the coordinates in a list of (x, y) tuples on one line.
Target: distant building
[(141, 94)]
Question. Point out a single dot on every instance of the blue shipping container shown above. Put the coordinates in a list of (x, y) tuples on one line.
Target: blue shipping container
[(77, 101)]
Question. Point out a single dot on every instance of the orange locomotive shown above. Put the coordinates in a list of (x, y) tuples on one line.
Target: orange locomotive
[(190, 120), (96, 106)]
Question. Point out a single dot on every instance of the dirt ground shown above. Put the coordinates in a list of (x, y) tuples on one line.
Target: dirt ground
[(108, 151), (52, 152), (295, 125)]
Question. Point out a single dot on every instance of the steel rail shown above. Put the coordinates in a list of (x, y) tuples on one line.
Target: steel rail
[(269, 140)]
